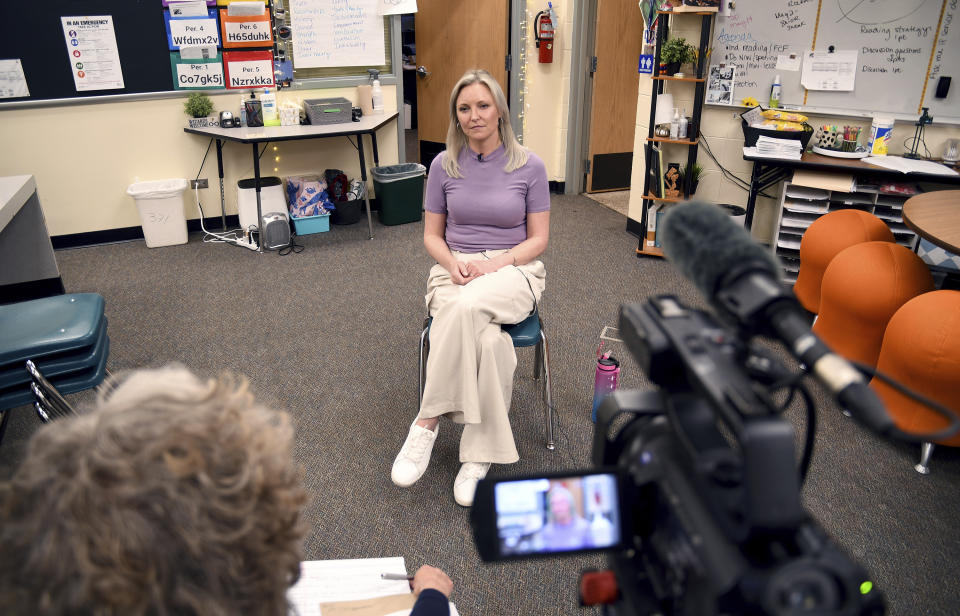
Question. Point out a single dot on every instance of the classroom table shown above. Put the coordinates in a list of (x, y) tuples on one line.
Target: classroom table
[(935, 216), (368, 125), (29, 267), (770, 171)]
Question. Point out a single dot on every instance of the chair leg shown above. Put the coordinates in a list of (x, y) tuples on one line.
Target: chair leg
[(422, 372), (547, 387), (51, 408), (3, 423), (41, 383), (926, 450), (41, 412), (538, 360)]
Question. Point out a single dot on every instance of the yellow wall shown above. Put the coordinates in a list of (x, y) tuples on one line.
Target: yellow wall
[(547, 98), (85, 156), (723, 132)]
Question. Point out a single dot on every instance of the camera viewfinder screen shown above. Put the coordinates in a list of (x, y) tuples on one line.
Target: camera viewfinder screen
[(536, 516)]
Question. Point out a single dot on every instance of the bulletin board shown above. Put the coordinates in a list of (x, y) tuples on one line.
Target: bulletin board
[(903, 49), (32, 32)]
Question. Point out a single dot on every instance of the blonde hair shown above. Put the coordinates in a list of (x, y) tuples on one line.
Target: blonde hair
[(175, 495), (516, 154)]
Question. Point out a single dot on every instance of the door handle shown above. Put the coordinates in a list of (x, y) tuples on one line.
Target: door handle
[(422, 72)]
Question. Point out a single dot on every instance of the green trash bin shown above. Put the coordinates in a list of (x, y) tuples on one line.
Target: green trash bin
[(399, 191)]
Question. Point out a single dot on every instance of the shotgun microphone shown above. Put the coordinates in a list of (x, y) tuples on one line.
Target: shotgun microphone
[(741, 280)]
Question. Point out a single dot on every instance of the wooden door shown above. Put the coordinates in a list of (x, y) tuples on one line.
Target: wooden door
[(619, 38), (453, 36)]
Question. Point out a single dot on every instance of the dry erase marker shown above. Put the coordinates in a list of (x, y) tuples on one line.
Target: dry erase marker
[(395, 576)]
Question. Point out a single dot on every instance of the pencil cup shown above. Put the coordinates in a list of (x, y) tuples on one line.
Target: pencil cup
[(849, 145)]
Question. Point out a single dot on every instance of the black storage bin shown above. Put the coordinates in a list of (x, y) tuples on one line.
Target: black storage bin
[(346, 212)]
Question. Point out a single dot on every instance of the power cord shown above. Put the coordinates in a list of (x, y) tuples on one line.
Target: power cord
[(225, 237), (740, 182)]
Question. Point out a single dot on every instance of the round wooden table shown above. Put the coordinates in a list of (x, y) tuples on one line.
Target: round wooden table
[(935, 216)]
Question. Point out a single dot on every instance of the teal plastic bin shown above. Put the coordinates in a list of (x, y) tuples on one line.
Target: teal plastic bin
[(399, 191)]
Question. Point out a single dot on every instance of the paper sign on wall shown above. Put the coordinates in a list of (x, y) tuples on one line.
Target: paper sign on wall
[(193, 8), (397, 7), (327, 34), (197, 73), (192, 31), (248, 69), (12, 82), (92, 51), (245, 31)]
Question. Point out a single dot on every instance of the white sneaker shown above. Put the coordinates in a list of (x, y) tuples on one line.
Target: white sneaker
[(465, 485), (414, 456)]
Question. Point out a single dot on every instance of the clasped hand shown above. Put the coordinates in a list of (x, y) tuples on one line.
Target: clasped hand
[(466, 271)]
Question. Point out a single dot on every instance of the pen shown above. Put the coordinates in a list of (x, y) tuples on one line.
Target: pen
[(395, 576)]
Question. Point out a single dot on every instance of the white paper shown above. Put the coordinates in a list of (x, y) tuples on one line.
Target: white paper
[(201, 75), (191, 8), (397, 7), (788, 62), (720, 84), (754, 153), (194, 32), (907, 165), (249, 32), (12, 82), (326, 581), (834, 71), (197, 53), (237, 8), (327, 34), (92, 52)]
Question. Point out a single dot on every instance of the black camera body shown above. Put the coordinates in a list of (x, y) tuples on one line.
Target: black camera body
[(712, 521)]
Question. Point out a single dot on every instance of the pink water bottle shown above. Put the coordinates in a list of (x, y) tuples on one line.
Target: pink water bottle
[(605, 380)]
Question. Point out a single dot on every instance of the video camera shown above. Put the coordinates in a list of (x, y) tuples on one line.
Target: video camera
[(696, 490)]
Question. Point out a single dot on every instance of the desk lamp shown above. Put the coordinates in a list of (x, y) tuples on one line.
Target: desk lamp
[(925, 118)]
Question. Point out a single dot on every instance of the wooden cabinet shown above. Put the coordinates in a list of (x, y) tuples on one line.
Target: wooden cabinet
[(801, 205)]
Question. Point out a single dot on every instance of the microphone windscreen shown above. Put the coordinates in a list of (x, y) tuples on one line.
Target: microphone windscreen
[(705, 244)]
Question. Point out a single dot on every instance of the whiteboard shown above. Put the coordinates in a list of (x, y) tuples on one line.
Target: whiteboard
[(903, 48), (333, 33)]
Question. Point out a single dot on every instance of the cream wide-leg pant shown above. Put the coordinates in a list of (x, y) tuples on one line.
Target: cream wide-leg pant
[(471, 362)]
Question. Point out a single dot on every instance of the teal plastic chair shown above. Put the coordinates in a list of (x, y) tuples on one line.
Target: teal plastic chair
[(51, 347), (526, 333)]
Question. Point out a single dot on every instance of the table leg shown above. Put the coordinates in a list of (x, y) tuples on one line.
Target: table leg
[(256, 184), (223, 211), (376, 156), (752, 197), (363, 177)]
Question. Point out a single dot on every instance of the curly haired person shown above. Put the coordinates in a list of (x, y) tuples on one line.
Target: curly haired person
[(175, 495)]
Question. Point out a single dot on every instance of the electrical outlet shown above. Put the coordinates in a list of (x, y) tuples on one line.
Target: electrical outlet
[(199, 183)]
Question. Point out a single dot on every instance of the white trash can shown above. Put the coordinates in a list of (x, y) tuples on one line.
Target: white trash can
[(161, 211)]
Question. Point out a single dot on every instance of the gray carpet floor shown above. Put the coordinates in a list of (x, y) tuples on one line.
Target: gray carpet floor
[(331, 335)]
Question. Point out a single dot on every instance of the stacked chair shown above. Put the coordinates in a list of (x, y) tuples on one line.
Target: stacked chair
[(51, 347)]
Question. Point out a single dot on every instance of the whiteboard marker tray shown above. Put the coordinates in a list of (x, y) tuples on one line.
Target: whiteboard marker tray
[(839, 154)]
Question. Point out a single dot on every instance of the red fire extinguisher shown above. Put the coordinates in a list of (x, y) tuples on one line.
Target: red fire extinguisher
[(543, 32)]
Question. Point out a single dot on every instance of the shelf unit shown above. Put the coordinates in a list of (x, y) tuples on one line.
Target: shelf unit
[(801, 205), (647, 245)]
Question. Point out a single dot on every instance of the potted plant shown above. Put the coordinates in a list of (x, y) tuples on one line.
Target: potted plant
[(198, 107), (675, 52), (695, 170)]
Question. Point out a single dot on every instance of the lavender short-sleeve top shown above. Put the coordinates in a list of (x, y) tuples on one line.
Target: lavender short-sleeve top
[(487, 208)]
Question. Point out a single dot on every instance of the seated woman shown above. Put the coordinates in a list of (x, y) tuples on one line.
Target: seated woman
[(173, 496), (486, 222)]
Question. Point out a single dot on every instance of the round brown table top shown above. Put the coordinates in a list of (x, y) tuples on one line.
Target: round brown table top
[(935, 216)]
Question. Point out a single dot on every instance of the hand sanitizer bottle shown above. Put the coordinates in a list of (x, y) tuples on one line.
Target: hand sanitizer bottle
[(682, 129), (376, 91), (775, 93), (675, 124), (271, 116)]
